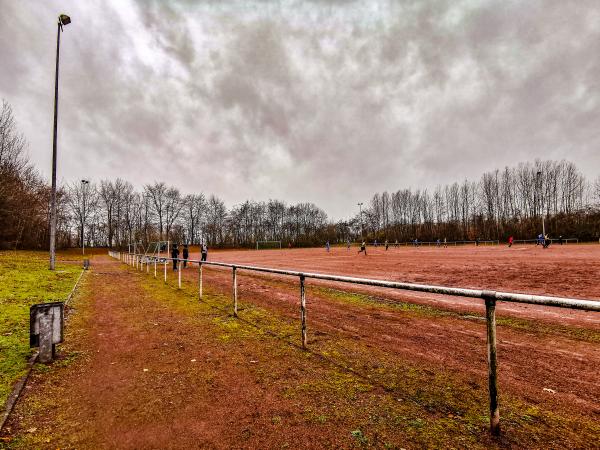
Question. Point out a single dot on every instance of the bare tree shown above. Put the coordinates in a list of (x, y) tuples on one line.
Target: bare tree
[(82, 201)]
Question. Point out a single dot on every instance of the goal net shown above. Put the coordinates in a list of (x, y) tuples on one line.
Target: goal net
[(159, 249), (263, 245)]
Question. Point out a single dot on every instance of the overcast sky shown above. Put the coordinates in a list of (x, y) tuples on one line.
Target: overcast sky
[(321, 101)]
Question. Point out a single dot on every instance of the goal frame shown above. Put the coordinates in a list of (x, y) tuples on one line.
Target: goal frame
[(268, 242), (156, 249)]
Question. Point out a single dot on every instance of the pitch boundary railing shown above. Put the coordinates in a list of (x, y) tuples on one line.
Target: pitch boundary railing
[(552, 240), (441, 243), (489, 297)]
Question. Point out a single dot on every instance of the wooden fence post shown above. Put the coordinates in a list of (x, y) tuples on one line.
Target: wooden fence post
[(490, 316), (303, 310), (235, 308), (165, 270)]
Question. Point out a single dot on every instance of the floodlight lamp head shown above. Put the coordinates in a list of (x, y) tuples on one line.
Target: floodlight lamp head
[(63, 19)]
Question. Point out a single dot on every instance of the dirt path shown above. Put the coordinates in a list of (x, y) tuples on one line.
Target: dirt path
[(148, 379), (148, 366)]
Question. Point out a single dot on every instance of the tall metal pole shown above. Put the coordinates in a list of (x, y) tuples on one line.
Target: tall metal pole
[(362, 233), (84, 186), (539, 181), (53, 192)]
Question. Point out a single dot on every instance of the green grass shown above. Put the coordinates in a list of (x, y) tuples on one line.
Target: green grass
[(24, 281)]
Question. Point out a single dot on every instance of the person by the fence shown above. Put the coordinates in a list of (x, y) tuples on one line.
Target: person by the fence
[(348, 244), (363, 248), (387, 245), (327, 246), (204, 251), (186, 255), (175, 255), (560, 240), (445, 243), (510, 241)]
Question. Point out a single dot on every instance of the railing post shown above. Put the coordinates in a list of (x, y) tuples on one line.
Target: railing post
[(303, 310), (165, 270), (147, 266), (490, 317), (155, 264), (200, 280), (234, 292), (179, 273)]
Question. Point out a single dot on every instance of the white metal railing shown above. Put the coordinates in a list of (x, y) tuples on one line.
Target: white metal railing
[(489, 297), (441, 243), (552, 240)]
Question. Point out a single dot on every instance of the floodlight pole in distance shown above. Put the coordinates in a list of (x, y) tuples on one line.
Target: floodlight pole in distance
[(62, 20), (362, 233), (84, 187), (539, 181)]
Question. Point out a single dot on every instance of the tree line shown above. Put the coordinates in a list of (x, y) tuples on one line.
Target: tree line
[(113, 213), (512, 201)]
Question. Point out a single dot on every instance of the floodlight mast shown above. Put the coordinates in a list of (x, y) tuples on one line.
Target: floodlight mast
[(84, 187), (539, 180), (361, 221), (63, 19)]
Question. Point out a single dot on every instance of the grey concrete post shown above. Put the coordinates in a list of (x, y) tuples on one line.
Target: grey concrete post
[(235, 306), (45, 336), (200, 281), (179, 274)]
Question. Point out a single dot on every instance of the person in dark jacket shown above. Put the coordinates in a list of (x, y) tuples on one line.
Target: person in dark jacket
[(175, 255), (204, 251), (186, 254)]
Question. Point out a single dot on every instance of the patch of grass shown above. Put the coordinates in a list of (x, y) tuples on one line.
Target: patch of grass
[(24, 281)]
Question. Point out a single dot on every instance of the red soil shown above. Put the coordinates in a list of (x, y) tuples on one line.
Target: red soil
[(568, 270), (530, 359)]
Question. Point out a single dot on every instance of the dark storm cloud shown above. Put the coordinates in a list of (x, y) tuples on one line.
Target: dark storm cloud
[(323, 101)]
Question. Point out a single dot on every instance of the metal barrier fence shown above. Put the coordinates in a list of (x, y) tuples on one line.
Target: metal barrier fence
[(552, 240), (489, 297), (442, 243)]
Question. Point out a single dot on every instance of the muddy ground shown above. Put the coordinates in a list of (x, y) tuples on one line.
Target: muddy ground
[(150, 366)]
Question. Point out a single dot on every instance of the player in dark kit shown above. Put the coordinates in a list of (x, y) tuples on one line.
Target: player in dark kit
[(175, 255), (186, 254), (363, 248)]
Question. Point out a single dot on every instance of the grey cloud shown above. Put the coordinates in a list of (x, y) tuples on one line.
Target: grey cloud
[(324, 101)]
